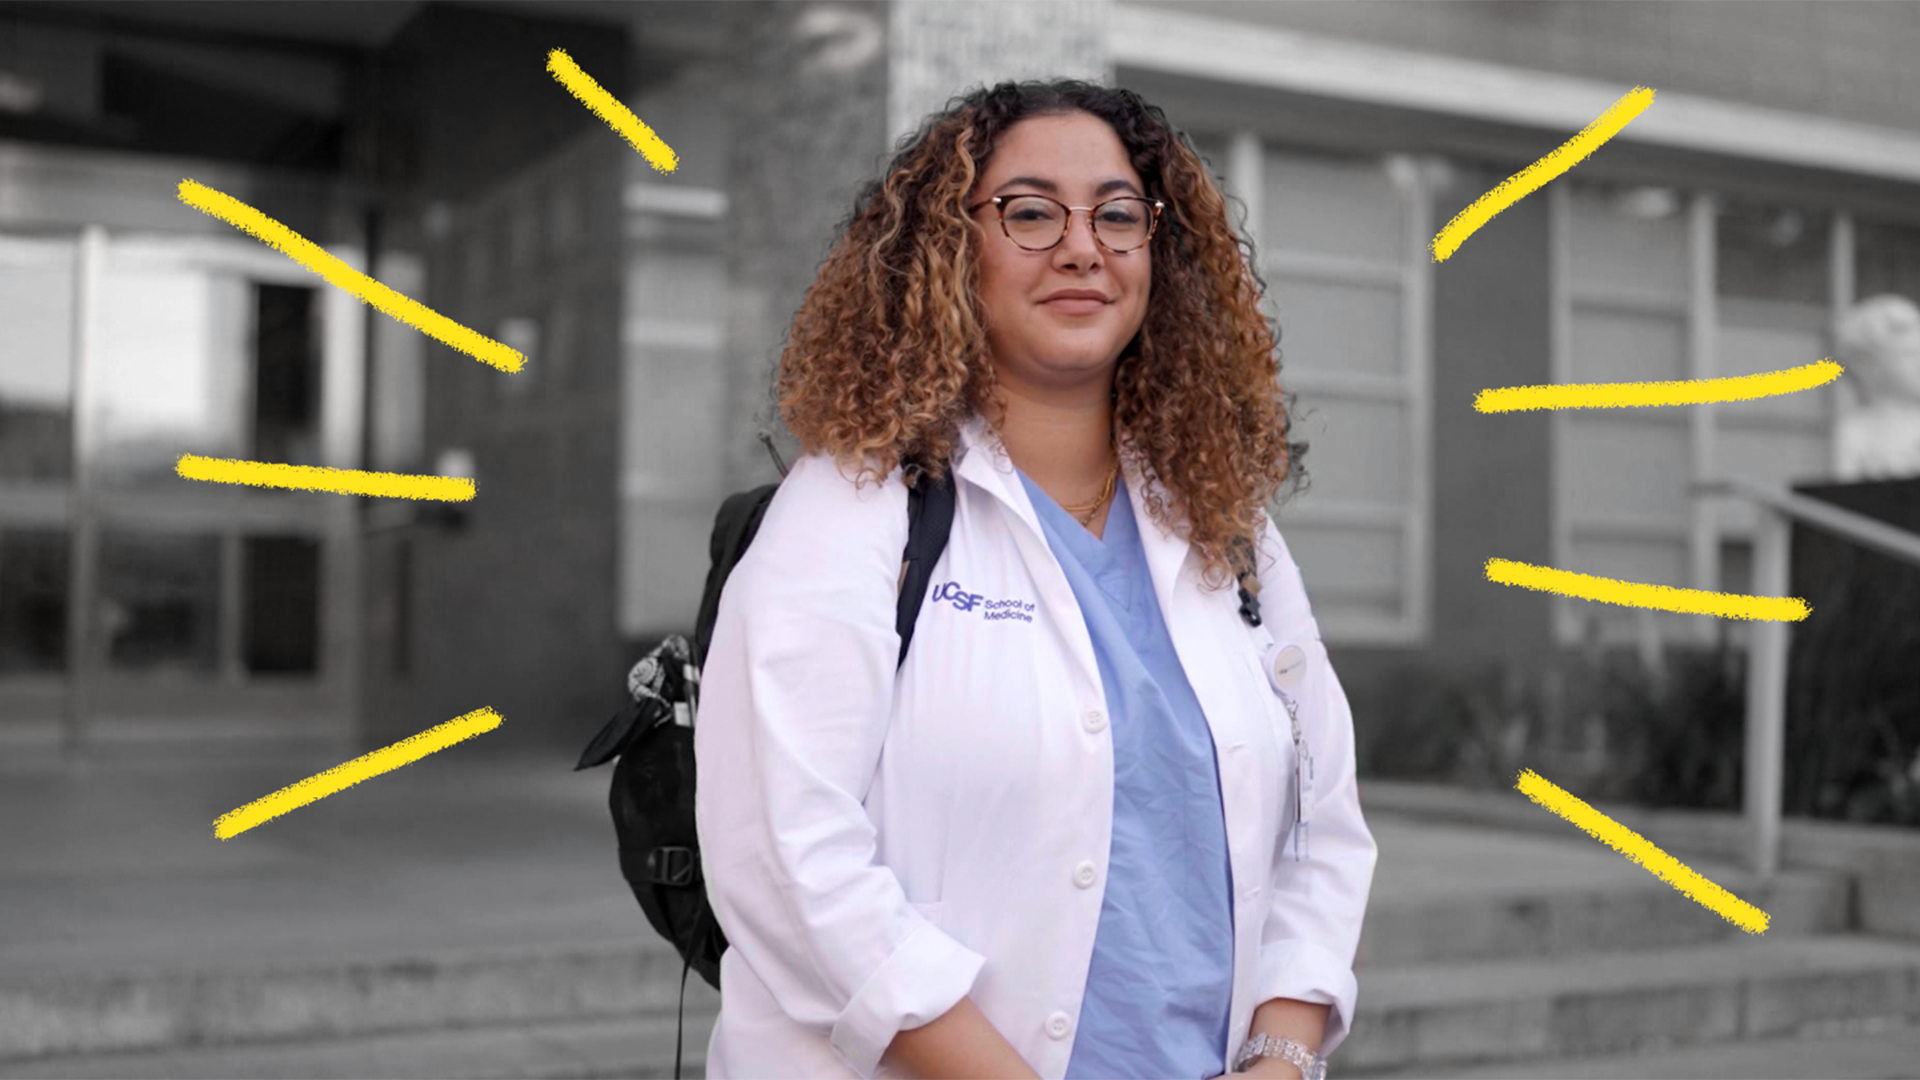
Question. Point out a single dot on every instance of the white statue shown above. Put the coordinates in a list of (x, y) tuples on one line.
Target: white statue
[(1879, 344)]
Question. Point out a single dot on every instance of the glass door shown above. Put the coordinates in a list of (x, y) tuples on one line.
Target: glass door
[(155, 606), (37, 292)]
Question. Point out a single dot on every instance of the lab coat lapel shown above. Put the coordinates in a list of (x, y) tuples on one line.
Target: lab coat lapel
[(985, 465), (1189, 614), (1166, 551), (984, 462)]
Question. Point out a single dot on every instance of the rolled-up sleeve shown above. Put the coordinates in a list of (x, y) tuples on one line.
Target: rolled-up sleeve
[(1312, 931), (796, 696)]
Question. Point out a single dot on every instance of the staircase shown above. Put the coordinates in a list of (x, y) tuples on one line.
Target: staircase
[(464, 917), (1490, 953), (558, 1010), (467, 920)]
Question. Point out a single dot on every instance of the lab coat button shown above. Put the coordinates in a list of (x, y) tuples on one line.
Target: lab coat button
[(1058, 1025), (1094, 720), (1085, 875)]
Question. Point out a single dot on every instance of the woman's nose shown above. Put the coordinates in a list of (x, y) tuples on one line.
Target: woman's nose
[(1079, 243)]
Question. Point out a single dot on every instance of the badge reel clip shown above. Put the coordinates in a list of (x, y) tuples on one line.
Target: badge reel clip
[(1286, 668)]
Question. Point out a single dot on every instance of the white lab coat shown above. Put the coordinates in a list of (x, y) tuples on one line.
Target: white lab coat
[(877, 848)]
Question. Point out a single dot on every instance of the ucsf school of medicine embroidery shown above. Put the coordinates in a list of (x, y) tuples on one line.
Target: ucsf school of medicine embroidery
[(952, 592)]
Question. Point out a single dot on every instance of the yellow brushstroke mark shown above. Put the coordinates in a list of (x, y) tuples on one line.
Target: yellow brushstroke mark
[(345, 775), (1639, 394), (1639, 849), (608, 108), (341, 276), (1533, 177), (312, 478), (1657, 597)]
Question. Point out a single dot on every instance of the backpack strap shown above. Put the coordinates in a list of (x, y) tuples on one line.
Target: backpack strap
[(929, 522), (734, 527)]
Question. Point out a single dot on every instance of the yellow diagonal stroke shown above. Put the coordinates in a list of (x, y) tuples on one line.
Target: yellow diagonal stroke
[(1642, 394), (348, 773), (608, 108), (1639, 849), (1656, 597), (313, 478), (346, 278), (1533, 177)]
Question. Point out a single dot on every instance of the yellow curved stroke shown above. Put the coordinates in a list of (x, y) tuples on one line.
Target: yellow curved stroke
[(1533, 177), (608, 108), (1656, 597), (1642, 394), (312, 478), (1639, 849), (346, 278), (346, 774)]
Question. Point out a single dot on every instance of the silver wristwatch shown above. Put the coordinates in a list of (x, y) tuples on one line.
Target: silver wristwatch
[(1311, 1065)]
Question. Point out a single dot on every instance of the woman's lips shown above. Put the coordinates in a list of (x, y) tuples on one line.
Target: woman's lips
[(1073, 305)]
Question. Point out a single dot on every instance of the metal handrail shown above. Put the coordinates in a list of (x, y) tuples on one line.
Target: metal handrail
[(1766, 719), (1890, 540)]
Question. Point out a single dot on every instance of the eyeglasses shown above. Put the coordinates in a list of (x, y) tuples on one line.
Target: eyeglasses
[(1037, 223)]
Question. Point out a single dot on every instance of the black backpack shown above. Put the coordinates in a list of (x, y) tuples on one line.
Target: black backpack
[(653, 784)]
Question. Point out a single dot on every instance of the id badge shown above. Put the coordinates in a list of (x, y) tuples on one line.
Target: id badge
[(1302, 781), (1286, 667)]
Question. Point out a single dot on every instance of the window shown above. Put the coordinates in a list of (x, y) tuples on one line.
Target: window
[(286, 375), (36, 364), (674, 402), (1342, 246), (1651, 284), (33, 600), (1622, 299)]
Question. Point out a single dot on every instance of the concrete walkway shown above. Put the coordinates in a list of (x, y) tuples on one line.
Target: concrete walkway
[(115, 864)]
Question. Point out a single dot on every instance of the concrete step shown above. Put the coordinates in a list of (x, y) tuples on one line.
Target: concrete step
[(1462, 1013), (628, 1047), (50, 1014), (1627, 916), (1871, 1052)]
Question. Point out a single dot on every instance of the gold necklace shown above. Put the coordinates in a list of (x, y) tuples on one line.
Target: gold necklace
[(1084, 512)]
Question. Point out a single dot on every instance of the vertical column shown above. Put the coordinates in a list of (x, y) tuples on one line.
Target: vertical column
[(809, 127), (84, 535), (1766, 726), (939, 48), (823, 90), (1703, 324)]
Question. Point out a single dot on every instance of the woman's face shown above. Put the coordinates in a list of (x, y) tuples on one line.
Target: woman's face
[(1058, 319)]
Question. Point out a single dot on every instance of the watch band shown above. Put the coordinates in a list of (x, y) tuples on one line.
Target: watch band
[(1311, 1065)]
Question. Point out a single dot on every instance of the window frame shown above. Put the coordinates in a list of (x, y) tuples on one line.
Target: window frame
[(1412, 276), (1707, 527), (637, 613)]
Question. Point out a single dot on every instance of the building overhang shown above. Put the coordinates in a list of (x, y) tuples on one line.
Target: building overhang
[(1157, 41)]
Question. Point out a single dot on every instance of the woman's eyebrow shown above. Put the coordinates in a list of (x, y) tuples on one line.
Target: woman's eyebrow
[(1051, 188)]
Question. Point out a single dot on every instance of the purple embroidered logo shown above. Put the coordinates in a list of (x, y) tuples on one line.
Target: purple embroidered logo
[(954, 593)]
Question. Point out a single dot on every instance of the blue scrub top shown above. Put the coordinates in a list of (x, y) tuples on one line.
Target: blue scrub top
[(1161, 982)]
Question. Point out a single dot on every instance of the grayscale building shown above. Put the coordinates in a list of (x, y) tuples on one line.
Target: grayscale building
[(170, 649), (1771, 184)]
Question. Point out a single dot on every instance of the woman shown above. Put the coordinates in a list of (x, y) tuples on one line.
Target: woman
[(1061, 840)]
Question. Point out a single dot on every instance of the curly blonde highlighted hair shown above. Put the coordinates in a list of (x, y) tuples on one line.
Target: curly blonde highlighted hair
[(887, 356)]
